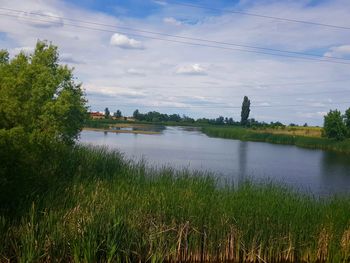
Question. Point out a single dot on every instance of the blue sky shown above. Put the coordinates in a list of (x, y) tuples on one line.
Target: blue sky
[(143, 8), (125, 69)]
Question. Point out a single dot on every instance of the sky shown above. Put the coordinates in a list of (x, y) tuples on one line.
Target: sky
[(121, 66)]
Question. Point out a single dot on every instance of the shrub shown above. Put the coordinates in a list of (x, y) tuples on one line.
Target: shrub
[(334, 126)]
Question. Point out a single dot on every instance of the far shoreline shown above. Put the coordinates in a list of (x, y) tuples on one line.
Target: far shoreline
[(121, 131)]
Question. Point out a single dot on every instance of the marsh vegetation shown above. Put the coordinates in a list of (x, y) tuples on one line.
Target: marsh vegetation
[(62, 202), (98, 207)]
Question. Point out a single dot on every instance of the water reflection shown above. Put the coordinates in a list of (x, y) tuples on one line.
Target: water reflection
[(317, 171), (242, 161), (139, 128), (335, 172)]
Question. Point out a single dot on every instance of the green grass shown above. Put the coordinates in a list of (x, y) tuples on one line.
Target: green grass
[(261, 136), (97, 207)]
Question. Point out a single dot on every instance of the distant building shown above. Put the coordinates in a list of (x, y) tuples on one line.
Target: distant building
[(97, 115)]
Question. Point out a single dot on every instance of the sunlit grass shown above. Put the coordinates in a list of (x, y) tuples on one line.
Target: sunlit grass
[(278, 137), (294, 131), (102, 208)]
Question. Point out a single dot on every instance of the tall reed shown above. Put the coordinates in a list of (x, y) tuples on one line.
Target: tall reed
[(99, 207)]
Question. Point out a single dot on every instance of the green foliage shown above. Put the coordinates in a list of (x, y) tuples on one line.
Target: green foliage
[(40, 96), (136, 114), (118, 114), (245, 111), (4, 57), (105, 209), (347, 120), (334, 126), (107, 113), (261, 136)]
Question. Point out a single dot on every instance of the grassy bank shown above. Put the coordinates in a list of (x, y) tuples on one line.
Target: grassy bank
[(97, 207), (278, 138)]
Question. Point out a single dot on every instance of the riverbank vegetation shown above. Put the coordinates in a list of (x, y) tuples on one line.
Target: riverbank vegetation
[(307, 139), (94, 206), (61, 202)]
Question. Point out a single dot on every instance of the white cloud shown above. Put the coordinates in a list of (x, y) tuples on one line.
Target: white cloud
[(135, 72), (338, 51), (229, 75), (317, 104), (125, 42), (162, 3), (321, 113), (195, 69), (172, 21), (41, 18), (114, 91), (312, 115), (25, 50), (70, 59), (264, 104)]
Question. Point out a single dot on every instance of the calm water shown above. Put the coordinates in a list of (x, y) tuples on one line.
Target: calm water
[(317, 171)]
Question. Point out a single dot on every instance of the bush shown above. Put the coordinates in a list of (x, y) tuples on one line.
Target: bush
[(334, 126), (40, 96)]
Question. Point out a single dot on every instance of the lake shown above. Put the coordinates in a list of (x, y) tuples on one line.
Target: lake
[(313, 171)]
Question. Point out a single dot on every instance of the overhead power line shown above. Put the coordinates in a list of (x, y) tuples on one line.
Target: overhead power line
[(291, 94), (280, 85), (305, 83), (184, 42), (257, 15), (172, 35)]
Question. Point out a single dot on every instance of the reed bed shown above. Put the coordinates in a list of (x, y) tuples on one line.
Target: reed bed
[(277, 138), (99, 207), (294, 131)]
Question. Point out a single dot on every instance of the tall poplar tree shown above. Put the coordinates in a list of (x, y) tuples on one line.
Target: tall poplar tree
[(245, 111)]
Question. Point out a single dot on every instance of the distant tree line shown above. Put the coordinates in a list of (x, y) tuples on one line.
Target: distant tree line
[(154, 116), (117, 114), (336, 125)]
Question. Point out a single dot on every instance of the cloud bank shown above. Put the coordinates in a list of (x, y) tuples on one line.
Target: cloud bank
[(127, 72)]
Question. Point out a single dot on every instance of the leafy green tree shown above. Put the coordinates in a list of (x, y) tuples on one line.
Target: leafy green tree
[(175, 117), (245, 111), (220, 120), (4, 57), (118, 114), (136, 114), (107, 113), (230, 121), (334, 126), (347, 121), (40, 97)]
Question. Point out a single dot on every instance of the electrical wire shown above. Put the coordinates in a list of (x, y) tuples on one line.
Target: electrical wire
[(257, 15), (174, 36), (187, 43)]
